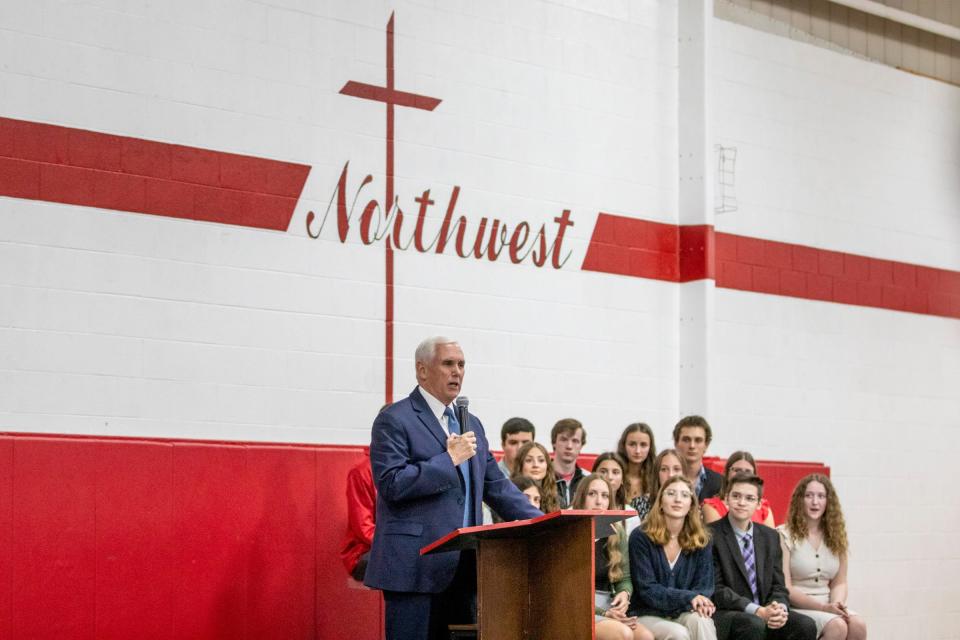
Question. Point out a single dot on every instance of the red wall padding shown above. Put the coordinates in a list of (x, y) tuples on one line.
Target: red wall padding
[(126, 538), (136, 538), (6, 538)]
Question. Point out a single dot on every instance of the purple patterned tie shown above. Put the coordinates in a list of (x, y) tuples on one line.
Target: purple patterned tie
[(750, 563)]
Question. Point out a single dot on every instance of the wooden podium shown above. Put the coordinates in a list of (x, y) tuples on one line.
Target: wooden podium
[(534, 577)]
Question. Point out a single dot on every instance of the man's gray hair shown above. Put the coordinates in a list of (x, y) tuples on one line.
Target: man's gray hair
[(427, 350)]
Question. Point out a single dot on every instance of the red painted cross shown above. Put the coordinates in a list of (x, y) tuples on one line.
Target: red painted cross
[(390, 96)]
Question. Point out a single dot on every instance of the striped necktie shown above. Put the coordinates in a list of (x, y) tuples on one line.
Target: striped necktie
[(750, 563)]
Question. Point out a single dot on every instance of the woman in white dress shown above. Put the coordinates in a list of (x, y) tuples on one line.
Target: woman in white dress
[(814, 542)]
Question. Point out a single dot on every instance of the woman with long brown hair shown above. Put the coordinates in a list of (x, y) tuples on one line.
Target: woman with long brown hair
[(612, 579), (671, 567), (814, 543), (638, 448), (612, 468), (739, 462), (533, 461), (667, 464)]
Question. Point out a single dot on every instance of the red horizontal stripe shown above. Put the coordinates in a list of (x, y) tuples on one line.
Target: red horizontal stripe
[(780, 268), (645, 249), (75, 166), (632, 247)]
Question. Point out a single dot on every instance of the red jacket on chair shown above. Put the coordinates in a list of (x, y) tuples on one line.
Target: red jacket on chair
[(361, 513)]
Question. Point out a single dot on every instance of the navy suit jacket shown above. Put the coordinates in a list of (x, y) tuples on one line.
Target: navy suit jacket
[(711, 485), (420, 496)]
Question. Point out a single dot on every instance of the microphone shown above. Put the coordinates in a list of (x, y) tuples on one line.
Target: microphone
[(462, 416)]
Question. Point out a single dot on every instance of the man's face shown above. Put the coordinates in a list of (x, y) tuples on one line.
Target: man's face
[(568, 445), (443, 377), (742, 500), (692, 444), (513, 443)]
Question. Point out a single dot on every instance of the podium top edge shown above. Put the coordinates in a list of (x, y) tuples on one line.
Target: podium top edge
[(564, 514)]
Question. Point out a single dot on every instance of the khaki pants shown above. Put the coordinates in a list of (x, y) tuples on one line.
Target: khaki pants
[(686, 626)]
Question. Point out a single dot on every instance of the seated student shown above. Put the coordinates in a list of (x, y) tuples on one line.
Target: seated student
[(361, 518), (611, 468), (667, 464), (750, 593), (567, 439), (514, 433), (612, 581), (533, 461), (814, 544), (739, 462), (671, 567), (529, 488), (638, 449), (691, 437)]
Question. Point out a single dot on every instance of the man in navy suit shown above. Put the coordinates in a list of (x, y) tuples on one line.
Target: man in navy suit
[(432, 477)]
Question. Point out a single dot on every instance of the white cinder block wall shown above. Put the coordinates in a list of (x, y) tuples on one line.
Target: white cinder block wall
[(129, 324), (842, 154)]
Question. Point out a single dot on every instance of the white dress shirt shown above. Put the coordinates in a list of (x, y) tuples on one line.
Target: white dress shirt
[(437, 408)]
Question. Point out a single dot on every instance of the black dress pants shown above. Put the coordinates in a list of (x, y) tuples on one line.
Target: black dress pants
[(740, 625)]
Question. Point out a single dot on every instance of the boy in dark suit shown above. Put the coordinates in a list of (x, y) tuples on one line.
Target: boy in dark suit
[(751, 596)]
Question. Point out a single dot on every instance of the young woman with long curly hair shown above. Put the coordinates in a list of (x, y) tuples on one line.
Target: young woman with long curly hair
[(814, 542), (671, 567)]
